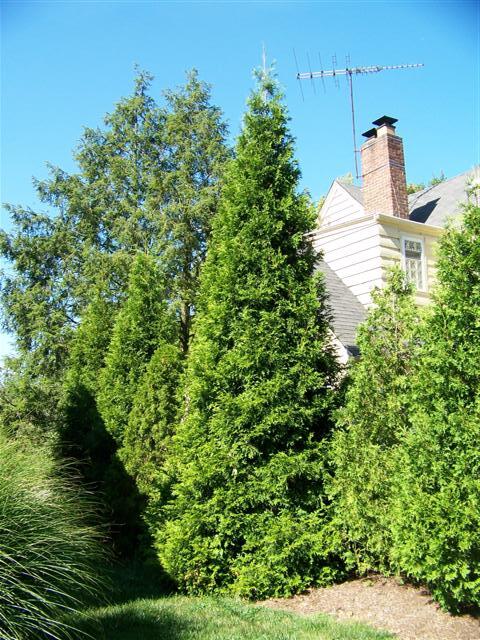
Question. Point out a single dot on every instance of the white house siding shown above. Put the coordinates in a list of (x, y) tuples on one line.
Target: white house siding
[(339, 207), (352, 251)]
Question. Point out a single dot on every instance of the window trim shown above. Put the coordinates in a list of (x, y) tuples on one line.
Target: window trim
[(423, 262)]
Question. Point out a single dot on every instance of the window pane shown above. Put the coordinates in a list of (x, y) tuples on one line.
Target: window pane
[(413, 262)]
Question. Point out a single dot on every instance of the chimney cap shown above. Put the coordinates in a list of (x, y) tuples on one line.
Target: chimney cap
[(385, 120), (371, 133)]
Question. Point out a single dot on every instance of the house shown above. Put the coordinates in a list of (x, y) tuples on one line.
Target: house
[(361, 232)]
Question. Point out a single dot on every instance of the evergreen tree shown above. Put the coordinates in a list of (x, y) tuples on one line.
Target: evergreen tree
[(371, 425), (436, 514), (142, 323), (247, 510), (147, 181), (195, 135), (83, 438), (149, 431)]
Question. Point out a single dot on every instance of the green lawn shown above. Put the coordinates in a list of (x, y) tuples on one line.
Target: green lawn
[(206, 618), (143, 607)]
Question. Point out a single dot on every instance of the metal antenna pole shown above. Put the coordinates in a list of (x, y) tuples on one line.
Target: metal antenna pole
[(349, 72), (355, 150), (298, 73)]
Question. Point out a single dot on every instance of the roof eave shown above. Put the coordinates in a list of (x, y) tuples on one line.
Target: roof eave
[(410, 225)]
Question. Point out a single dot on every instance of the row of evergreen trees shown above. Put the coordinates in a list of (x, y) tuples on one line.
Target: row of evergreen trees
[(199, 391)]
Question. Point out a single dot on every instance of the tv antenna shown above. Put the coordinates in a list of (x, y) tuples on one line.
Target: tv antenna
[(349, 72)]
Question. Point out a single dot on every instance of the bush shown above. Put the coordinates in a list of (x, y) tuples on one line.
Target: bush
[(49, 560), (370, 427), (436, 513)]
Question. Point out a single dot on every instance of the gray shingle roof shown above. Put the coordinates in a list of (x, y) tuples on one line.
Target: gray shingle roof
[(353, 190), (347, 312), (434, 205)]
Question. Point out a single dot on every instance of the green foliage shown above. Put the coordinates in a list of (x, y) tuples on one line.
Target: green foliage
[(248, 451), (413, 187), (147, 183), (371, 425), (83, 437), (50, 560), (136, 396), (30, 406), (141, 325), (150, 424), (436, 517), (437, 179), (195, 137)]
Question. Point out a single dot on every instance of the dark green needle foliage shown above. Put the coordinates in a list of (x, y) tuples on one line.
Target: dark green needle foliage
[(248, 507), (148, 434), (371, 425), (143, 322), (146, 181), (436, 516)]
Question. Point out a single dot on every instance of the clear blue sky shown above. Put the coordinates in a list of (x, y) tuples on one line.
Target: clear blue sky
[(65, 64)]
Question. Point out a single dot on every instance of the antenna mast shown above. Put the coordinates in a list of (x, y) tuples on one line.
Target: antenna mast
[(350, 72)]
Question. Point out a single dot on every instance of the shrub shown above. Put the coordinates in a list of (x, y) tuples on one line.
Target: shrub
[(49, 559), (370, 427), (436, 513)]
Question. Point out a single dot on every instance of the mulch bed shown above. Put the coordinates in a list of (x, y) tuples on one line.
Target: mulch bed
[(384, 603)]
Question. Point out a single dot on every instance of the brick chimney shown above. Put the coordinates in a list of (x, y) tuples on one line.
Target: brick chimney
[(383, 170)]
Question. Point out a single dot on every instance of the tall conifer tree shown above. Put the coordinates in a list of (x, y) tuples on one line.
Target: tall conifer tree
[(247, 509), (436, 512), (372, 424), (141, 325)]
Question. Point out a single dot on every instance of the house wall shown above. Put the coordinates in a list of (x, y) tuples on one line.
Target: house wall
[(352, 250), (339, 207), (361, 252), (391, 254)]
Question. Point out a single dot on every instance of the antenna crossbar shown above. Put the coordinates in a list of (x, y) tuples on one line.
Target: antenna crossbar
[(349, 72), (331, 73)]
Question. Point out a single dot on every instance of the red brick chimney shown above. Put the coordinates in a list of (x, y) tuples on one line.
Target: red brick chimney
[(383, 170)]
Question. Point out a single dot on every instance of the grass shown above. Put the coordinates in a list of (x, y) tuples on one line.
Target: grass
[(141, 612), (49, 557), (208, 618)]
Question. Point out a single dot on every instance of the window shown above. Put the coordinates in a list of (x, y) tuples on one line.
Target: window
[(413, 262)]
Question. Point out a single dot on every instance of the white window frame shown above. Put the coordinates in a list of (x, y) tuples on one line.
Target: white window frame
[(423, 261)]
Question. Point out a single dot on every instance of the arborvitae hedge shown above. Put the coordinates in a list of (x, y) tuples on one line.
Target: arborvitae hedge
[(142, 323), (371, 425), (436, 512), (83, 436), (150, 425), (248, 507), (406, 457)]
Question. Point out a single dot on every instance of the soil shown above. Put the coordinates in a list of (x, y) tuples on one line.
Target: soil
[(384, 603)]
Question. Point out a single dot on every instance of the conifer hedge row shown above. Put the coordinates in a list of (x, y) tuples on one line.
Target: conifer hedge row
[(406, 455), (209, 401)]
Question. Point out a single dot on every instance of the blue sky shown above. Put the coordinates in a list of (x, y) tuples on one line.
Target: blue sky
[(65, 64)]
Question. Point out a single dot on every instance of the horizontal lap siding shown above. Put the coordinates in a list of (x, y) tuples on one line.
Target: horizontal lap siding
[(339, 207), (354, 255)]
